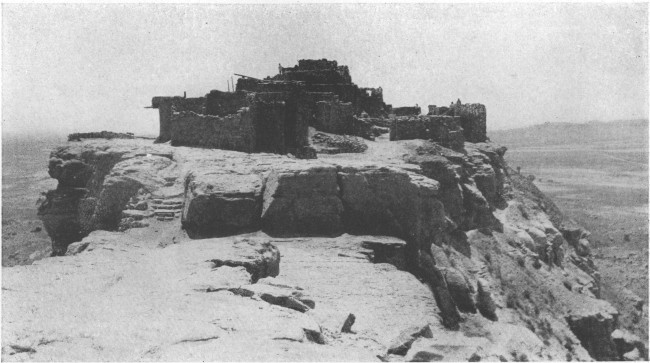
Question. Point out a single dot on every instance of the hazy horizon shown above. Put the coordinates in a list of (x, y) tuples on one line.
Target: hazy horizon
[(75, 68)]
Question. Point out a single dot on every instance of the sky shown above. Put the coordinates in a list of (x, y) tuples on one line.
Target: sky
[(77, 68)]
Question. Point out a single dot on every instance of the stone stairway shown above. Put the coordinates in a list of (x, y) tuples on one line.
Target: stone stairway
[(167, 209), (140, 209)]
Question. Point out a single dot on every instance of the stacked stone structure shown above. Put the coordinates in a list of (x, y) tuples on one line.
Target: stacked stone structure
[(445, 130), (407, 111), (274, 114), (472, 118), (275, 122), (324, 76)]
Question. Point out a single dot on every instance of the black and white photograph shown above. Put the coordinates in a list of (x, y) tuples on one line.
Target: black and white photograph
[(297, 181)]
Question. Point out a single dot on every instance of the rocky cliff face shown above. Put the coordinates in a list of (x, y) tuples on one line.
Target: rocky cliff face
[(437, 254)]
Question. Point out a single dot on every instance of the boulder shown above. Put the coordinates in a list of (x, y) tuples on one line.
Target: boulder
[(436, 281), (486, 182), (537, 235), (219, 204), (446, 347), (401, 344), (347, 325), (386, 201), (60, 215), (282, 296), (440, 257), (633, 356), (582, 247), (447, 174), (459, 290), (260, 259), (387, 250), (477, 209), (627, 342), (572, 234), (82, 166), (337, 144), (554, 237), (539, 238), (593, 325), (526, 240), (141, 205), (484, 301), (302, 200), (137, 215)]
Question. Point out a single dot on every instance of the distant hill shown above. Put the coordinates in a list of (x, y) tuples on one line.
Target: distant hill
[(564, 133)]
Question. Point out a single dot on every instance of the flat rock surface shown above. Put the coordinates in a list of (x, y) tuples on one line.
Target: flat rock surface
[(125, 302)]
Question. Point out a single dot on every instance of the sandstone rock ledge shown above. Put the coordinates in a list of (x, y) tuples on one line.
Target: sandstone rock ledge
[(224, 255)]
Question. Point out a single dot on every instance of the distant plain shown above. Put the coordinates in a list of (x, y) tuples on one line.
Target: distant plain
[(597, 174), (24, 177)]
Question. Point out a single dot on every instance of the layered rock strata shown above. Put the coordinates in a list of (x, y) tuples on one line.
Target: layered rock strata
[(488, 254)]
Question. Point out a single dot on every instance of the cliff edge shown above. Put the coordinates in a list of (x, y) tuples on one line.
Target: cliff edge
[(202, 254)]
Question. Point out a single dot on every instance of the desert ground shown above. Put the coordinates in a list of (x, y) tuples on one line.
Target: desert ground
[(597, 174), (24, 178)]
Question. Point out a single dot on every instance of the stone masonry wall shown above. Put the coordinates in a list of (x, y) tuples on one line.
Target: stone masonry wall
[(407, 111), (473, 121), (224, 103), (268, 119), (274, 122), (189, 104), (334, 117), (444, 130), (168, 105), (231, 132)]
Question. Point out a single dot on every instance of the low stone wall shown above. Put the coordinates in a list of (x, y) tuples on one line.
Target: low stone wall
[(77, 136), (444, 130)]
